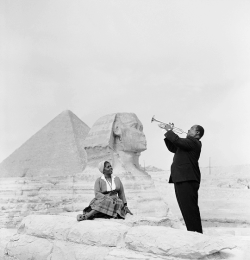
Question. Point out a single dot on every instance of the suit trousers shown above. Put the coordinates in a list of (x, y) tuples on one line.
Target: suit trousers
[(187, 196)]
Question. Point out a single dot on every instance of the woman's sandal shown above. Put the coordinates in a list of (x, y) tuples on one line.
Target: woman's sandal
[(81, 217)]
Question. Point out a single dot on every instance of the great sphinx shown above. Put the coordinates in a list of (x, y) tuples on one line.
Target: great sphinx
[(119, 139)]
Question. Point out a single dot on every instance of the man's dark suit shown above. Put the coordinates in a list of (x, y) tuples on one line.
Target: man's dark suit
[(185, 174)]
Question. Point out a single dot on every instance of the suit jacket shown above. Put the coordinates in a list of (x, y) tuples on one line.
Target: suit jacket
[(185, 166)]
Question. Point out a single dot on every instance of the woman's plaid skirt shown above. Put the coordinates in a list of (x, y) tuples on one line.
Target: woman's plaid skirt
[(108, 206)]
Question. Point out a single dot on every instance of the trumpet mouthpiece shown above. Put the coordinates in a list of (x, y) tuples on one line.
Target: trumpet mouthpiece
[(153, 118)]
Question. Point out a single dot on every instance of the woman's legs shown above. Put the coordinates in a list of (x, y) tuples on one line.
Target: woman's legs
[(90, 214), (86, 216)]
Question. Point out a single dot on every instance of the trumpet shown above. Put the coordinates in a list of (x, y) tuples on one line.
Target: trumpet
[(175, 129)]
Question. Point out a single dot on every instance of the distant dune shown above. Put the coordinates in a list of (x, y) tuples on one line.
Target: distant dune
[(237, 176)]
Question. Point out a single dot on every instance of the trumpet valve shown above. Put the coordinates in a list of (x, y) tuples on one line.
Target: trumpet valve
[(162, 126)]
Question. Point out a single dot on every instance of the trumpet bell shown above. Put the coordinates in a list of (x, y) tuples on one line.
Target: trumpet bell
[(175, 129), (155, 120)]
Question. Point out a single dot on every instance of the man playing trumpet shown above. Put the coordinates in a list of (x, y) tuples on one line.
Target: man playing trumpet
[(185, 172)]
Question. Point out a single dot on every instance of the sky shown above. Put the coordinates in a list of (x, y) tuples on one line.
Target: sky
[(186, 62)]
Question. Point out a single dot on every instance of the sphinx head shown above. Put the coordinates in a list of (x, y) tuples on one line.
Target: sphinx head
[(114, 133), (128, 133)]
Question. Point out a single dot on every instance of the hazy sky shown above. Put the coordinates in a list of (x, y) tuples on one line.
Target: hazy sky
[(186, 62)]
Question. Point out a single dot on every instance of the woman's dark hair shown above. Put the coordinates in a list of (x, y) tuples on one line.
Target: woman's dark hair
[(200, 129)]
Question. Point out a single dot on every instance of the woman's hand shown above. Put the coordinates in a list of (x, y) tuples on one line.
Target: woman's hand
[(127, 210)]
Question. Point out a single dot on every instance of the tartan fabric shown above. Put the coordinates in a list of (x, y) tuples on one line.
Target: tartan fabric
[(107, 206)]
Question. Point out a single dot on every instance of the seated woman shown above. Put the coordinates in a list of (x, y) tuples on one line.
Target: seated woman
[(106, 202)]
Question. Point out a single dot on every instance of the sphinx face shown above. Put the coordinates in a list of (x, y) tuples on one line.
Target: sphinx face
[(128, 131)]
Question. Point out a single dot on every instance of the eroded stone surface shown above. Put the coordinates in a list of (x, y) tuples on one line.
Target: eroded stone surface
[(101, 233), (5, 236), (166, 241), (24, 247), (20, 197), (61, 237), (71, 251), (126, 254), (136, 220)]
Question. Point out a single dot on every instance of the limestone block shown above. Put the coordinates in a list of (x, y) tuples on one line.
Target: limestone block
[(101, 233), (136, 220), (46, 226), (25, 247), (5, 236), (169, 221), (63, 250), (125, 254), (47, 195), (164, 241), (63, 238)]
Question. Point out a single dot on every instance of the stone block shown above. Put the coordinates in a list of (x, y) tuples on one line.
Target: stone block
[(165, 241), (25, 247)]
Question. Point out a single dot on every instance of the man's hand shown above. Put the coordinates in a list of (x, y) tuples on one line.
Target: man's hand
[(167, 127), (127, 210)]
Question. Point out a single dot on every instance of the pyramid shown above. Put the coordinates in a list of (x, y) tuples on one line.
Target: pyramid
[(57, 149)]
